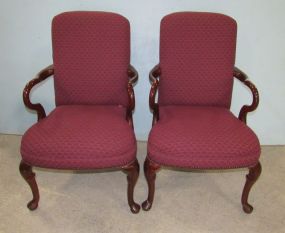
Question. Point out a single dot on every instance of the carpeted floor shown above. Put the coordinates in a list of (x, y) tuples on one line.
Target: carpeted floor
[(184, 201)]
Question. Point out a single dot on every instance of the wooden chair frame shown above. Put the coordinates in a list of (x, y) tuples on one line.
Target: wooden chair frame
[(132, 169), (151, 167)]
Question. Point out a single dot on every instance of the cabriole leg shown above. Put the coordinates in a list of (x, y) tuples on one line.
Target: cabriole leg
[(150, 169), (132, 170), (29, 176), (251, 178)]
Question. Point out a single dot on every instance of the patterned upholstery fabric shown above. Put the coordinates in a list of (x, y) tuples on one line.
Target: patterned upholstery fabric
[(197, 54), (202, 137), (91, 52), (80, 137)]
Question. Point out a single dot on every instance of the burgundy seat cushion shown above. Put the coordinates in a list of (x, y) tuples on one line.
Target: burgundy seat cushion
[(91, 51), (197, 55), (202, 137), (80, 137)]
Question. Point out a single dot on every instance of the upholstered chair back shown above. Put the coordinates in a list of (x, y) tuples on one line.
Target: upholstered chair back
[(197, 55), (91, 52)]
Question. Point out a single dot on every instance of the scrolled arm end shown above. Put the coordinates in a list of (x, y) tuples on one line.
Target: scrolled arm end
[(154, 73), (240, 75), (42, 75), (132, 74)]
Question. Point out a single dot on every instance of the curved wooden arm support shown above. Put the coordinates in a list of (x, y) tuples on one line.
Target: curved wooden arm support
[(42, 75), (247, 108), (153, 78), (133, 78)]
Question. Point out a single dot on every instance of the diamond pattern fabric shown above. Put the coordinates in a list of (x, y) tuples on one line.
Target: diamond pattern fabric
[(91, 52), (197, 55), (80, 137), (202, 137)]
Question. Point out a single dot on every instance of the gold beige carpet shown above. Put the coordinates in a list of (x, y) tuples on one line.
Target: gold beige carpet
[(184, 201)]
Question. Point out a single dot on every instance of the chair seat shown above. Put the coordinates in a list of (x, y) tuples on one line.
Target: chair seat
[(202, 137), (80, 137)]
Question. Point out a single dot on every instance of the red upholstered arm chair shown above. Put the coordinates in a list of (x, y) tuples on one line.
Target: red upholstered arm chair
[(192, 123), (91, 126)]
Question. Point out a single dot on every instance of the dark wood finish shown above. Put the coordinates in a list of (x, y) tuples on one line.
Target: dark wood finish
[(29, 176), (25, 169), (154, 79), (133, 78), (132, 170), (42, 75), (251, 178), (247, 108), (150, 170)]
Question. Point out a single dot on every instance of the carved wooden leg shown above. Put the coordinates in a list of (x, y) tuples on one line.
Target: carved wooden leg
[(132, 170), (251, 178), (150, 169), (29, 176)]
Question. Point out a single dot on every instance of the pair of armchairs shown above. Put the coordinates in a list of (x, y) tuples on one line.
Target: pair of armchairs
[(92, 127)]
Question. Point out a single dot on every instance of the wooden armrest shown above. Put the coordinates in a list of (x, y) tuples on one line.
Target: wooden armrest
[(240, 75), (153, 77), (133, 78), (42, 75)]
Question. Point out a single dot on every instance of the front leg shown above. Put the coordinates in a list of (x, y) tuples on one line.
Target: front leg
[(132, 170), (251, 178), (150, 169), (29, 176)]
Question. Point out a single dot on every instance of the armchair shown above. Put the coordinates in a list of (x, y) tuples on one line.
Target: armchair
[(193, 127), (91, 126)]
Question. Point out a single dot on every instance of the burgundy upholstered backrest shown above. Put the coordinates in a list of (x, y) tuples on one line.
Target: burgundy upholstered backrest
[(91, 52), (197, 55)]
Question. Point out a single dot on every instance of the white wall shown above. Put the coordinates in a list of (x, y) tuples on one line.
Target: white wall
[(25, 48)]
